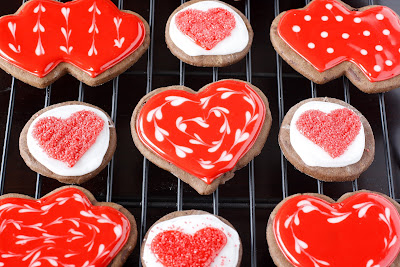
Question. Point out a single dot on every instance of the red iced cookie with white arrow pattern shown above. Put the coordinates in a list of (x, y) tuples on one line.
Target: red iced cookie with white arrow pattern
[(91, 39), (360, 229), (328, 38), (67, 227), (203, 137)]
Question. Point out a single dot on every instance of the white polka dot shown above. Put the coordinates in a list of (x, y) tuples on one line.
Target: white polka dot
[(324, 34), (379, 17), (345, 36), (377, 68), (378, 48), (357, 20), (311, 45), (366, 33), (296, 28), (364, 52), (330, 50), (324, 18), (386, 32), (389, 63), (307, 17), (339, 18), (328, 6), (399, 50)]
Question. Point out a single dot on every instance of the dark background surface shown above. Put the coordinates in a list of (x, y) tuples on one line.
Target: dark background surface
[(162, 186)]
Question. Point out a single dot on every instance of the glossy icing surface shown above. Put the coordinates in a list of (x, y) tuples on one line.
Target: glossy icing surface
[(204, 134), (363, 230), (67, 138), (326, 134), (92, 35), (215, 240), (326, 33), (62, 229)]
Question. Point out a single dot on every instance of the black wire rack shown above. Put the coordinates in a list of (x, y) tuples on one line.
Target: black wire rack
[(249, 211)]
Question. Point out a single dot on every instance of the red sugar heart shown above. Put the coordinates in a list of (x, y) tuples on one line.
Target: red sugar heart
[(333, 132), (363, 230), (174, 248), (68, 140), (206, 28)]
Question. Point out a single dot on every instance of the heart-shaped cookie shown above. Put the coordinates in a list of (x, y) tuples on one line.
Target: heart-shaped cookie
[(327, 139), (64, 228), (361, 229), (71, 142), (328, 38), (175, 248), (191, 238), (205, 135), (92, 36)]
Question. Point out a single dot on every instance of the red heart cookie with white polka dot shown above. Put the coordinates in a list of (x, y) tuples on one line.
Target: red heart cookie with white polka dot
[(327, 33), (67, 227), (202, 137)]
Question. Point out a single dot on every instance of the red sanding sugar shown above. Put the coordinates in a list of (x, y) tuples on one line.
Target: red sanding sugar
[(206, 28), (177, 249), (68, 139), (333, 132)]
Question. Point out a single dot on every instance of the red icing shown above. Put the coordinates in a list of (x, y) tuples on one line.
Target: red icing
[(92, 35), (363, 230), (372, 44), (206, 28), (174, 248), (204, 134), (68, 140), (333, 132), (62, 229)]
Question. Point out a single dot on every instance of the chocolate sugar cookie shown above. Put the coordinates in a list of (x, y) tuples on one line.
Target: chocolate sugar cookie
[(71, 142), (208, 33), (328, 39), (327, 139)]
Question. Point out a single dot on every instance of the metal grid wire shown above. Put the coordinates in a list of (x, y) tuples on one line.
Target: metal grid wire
[(249, 203)]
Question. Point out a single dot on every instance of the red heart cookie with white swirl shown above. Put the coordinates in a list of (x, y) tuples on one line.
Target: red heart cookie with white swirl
[(191, 238), (67, 227), (202, 137), (328, 38), (91, 39), (361, 229)]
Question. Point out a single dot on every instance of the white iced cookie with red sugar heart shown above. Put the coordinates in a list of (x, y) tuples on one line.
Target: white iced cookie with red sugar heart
[(208, 33), (327, 139), (70, 142), (191, 238)]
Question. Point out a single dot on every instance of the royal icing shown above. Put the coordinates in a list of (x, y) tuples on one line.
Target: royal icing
[(363, 230), (326, 33), (92, 35), (208, 28), (204, 134), (72, 140), (326, 134), (203, 233), (62, 229)]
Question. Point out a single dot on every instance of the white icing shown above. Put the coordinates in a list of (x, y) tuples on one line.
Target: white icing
[(234, 43), (312, 154), (89, 162), (227, 257)]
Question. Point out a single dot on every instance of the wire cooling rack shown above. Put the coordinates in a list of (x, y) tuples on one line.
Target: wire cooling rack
[(149, 192)]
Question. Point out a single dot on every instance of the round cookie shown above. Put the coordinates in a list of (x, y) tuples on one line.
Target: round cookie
[(216, 241), (360, 229), (66, 227), (202, 137), (70, 142), (328, 39), (196, 44), (93, 41), (327, 139)]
